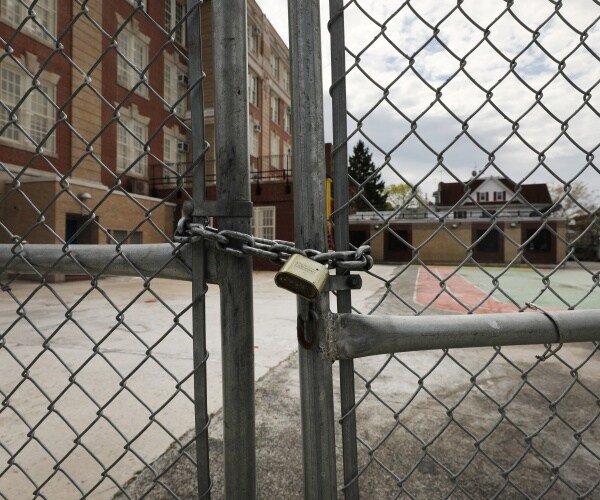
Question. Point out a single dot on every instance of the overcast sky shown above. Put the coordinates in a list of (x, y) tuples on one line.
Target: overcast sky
[(383, 104)]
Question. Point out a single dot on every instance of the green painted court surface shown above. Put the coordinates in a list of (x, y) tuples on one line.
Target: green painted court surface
[(563, 289)]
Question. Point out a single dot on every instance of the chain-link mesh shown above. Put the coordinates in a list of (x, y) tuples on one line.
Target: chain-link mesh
[(482, 114), (481, 120), (96, 373)]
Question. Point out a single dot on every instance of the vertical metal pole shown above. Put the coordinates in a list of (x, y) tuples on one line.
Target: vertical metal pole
[(316, 385), (196, 77), (341, 234), (234, 273)]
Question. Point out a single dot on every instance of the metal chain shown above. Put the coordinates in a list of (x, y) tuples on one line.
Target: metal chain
[(279, 251)]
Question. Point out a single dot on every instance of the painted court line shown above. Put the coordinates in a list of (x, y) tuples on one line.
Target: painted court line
[(428, 286)]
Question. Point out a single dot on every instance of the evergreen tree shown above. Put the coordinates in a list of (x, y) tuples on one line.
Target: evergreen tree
[(362, 170)]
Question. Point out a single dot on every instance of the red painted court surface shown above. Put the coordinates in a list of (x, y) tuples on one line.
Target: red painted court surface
[(470, 289)]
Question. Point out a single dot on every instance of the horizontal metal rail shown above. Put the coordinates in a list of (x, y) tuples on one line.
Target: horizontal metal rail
[(158, 260), (356, 336)]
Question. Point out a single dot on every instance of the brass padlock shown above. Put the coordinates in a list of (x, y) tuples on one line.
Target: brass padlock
[(302, 276)]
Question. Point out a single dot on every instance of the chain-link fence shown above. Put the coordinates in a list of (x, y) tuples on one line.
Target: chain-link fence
[(468, 130), (480, 118), (98, 373)]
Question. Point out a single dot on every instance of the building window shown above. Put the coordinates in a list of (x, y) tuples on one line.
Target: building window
[(482, 196), (174, 23), (254, 130), (132, 59), (253, 35), (125, 237), (130, 147), (275, 109), (394, 241), (36, 115), (263, 222), (541, 242), (287, 119), (275, 66), (12, 90), (174, 157), (286, 79), (14, 11), (175, 86), (489, 242), (460, 214), (253, 89), (275, 155), (499, 196)]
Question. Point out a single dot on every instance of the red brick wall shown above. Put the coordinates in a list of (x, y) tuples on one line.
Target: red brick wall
[(59, 65), (150, 106)]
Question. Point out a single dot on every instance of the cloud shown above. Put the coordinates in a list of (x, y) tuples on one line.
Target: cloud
[(513, 90)]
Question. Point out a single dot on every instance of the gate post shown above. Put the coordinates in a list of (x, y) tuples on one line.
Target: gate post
[(316, 385), (341, 235), (196, 73), (234, 272)]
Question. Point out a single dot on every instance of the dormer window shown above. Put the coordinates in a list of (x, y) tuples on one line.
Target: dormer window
[(499, 195), (482, 196)]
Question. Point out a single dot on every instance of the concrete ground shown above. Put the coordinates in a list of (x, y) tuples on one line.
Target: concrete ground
[(104, 400), (480, 452), (473, 423)]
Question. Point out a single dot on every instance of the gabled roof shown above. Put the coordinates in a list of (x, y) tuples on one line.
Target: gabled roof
[(451, 192)]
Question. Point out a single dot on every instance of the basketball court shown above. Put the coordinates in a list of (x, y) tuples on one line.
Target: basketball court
[(496, 290)]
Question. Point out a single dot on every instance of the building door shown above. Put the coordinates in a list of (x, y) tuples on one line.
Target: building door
[(359, 235), (73, 224), (397, 241), (490, 247), (540, 245)]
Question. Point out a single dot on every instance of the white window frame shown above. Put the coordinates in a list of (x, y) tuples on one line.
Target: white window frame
[(264, 222), (287, 119), (132, 45), (499, 195), (275, 66), (254, 141), (286, 79), (482, 196), (253, 39), (275, 109), (172, 157), (275, 152), (253, 88), (172, 18), (129, 147), (13, 13), (32, 109), (173, 88)]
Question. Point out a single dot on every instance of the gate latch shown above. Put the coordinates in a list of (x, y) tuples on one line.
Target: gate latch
[(307, 278)]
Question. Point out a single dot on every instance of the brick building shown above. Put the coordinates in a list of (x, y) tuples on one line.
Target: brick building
[(106, 130), (468, 212)]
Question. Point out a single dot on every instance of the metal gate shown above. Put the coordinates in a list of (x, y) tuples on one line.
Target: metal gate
[(479, 103), (103, 144), (467, 111)]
